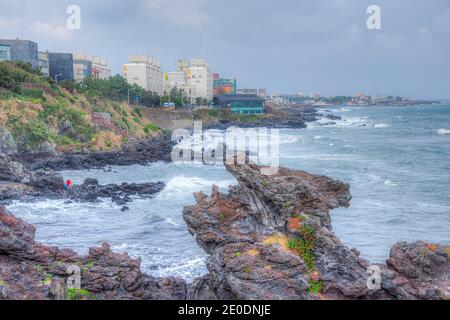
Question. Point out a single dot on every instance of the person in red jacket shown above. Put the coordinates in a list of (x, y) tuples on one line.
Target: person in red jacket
[(67, 184)]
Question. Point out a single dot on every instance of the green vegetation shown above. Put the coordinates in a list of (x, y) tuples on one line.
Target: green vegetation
[(304, 246), (62, 114), (315, 287), (47, 279), (151, 128), (79, 294), (177, 96), (238, 254), (247, 270)]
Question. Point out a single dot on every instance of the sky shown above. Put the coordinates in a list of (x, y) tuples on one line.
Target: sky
[(314, 46)]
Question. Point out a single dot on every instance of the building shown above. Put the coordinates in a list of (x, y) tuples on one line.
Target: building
[(176, 79), (100, 68), (145, 72), (19, 50), (194, 78), (43, 63), (224, 86), (89, 66), (60, 66), (247, 91), (242, 103), (82, 67), (262, 93), (200, 79)]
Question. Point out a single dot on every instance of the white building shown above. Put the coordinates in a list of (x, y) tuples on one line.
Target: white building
[(177, 79), (194, 78), (43, 63), (200, 79), (145, 72)]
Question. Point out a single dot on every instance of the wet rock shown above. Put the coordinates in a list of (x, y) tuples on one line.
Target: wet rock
[(121, 194), (7, 143), (271, 237), (29, 270), (135, 152), (12, 171)]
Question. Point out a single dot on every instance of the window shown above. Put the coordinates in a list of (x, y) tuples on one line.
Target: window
[(5, 53)]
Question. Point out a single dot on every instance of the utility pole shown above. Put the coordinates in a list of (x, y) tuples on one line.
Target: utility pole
[(128, 97), (56, 77)]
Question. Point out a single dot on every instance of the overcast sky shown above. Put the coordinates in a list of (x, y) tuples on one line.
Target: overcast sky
[(320, 46)]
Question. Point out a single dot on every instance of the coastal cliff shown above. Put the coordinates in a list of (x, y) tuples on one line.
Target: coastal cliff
[(270, 237)]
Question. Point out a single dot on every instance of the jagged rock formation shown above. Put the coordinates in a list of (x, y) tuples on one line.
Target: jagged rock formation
[(135, 152), (270, 237), (19, 183), (30, 270)]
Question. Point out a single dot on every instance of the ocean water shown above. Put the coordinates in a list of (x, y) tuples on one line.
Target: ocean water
[(397, 160)]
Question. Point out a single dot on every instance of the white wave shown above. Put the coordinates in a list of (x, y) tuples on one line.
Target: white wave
[(181, 185), (443, 131), (170, 221), (381, 125), (389, 183), (317, 137)]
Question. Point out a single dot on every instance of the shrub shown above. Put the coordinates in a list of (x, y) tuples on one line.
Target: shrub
[(32, 92), (79, 294), (151, 128)]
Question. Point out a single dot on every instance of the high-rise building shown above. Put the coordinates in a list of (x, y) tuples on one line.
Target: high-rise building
[(19, 50), (90, 66), (176, 79), (200, 79), (145, 72), (43, 63), (60, 66), (82, 67)]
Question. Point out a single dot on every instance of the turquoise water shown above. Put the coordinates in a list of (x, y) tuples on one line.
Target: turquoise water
[(396, 159)]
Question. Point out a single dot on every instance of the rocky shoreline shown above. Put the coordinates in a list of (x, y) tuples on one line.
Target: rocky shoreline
[(285, 118), (269, 237), (140, 152), (20, 183)]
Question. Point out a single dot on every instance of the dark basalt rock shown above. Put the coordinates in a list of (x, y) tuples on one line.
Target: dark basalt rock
[(270, 237), (135, 152), (19, 183), (29, 270), (249, 234)]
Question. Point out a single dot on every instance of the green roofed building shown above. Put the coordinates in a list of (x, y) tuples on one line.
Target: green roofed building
[(242, 103)]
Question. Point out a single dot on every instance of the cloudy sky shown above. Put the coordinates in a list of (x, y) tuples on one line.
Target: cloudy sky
[(320, 46)]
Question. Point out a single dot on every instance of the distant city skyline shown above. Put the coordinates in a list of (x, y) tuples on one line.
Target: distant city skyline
[(284, 46)]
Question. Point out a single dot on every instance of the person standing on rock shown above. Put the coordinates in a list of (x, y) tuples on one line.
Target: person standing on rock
[(67, 185)]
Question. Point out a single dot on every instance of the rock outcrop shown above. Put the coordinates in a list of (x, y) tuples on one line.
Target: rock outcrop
[(19, 183), (135, 152), (271, 237), (29, 270)]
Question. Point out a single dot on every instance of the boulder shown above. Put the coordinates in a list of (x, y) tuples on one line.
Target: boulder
[(7, 142)]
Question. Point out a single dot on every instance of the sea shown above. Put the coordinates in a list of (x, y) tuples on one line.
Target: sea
[(396, 159)]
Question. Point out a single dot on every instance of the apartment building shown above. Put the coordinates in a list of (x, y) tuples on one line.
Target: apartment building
[(146, 72), (200, 78), (19, 50), (43, 63), (89, 66)]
